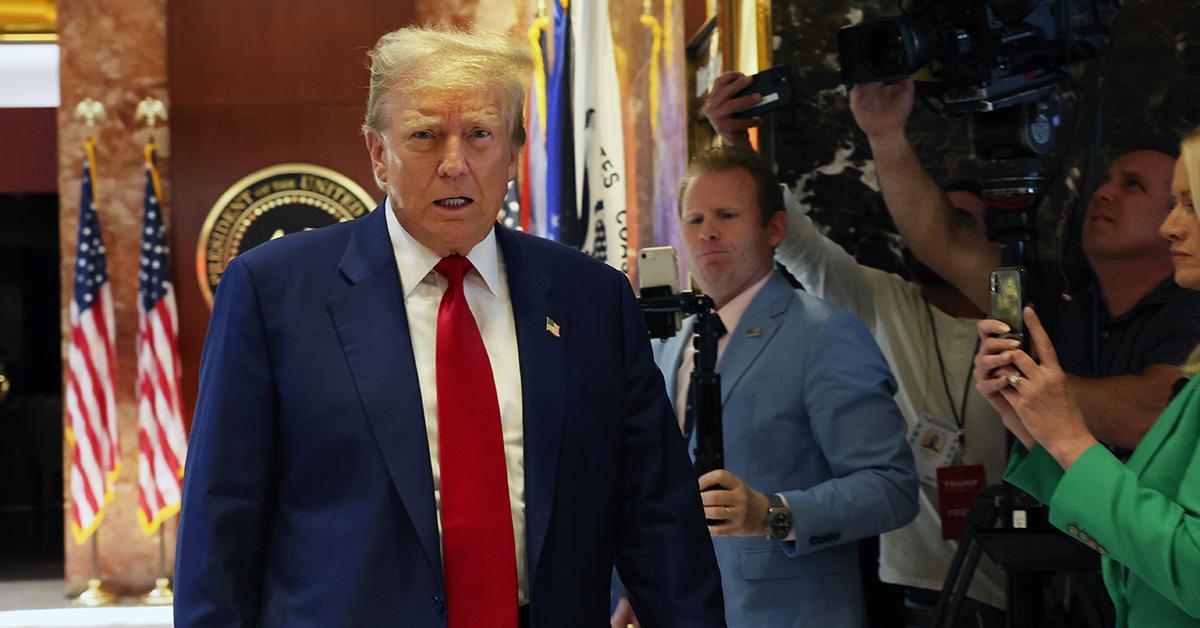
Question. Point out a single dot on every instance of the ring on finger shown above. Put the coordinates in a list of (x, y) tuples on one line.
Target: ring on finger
[(728, 512), (1014, 378)]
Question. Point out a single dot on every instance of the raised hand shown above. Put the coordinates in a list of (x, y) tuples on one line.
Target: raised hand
[(720, 106), (1042, 398), (993, 370), (881, 109)]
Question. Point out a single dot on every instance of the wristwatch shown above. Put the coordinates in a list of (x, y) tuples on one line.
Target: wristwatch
[(779, 518)]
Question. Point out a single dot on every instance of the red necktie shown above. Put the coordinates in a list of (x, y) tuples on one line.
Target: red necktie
[(478, 549)]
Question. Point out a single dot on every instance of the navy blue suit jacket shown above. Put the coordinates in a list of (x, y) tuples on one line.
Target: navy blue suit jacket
[(308, 495)]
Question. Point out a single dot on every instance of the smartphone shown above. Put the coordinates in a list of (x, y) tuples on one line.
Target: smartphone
[(1008, 286), (658, 266), (658, 276), (775, 85)]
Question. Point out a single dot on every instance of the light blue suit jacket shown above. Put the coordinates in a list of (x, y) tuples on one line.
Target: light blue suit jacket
[(807, 413)]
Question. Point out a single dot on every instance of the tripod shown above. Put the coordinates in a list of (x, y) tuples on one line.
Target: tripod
[(662, 307), (1014, 531)]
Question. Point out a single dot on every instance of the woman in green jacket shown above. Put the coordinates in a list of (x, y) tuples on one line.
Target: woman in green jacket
[(1143, 516)]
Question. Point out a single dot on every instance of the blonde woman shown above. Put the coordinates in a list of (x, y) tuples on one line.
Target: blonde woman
[(1143, 517)]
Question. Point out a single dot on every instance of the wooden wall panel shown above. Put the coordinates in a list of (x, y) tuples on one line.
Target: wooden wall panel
[(254, 84), (288, 52), (29, 162)]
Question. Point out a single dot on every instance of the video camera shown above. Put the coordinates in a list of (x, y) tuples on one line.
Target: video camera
[(977, 55), (1001, 59)]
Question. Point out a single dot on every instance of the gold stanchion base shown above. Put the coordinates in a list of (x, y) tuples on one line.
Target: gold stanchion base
[(162, 595), (94, 596)]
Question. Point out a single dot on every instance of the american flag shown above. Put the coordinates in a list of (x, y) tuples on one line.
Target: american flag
[(161, 440), (91, 403)]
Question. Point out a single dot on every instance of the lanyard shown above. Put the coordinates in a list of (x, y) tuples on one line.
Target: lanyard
[(960, 415)]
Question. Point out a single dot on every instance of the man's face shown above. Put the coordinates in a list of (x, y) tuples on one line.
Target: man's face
[(726, 244), (1123, 216), (445, 161)]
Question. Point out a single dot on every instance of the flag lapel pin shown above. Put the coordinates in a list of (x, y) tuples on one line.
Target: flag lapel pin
[(553, 328), (754, 332)]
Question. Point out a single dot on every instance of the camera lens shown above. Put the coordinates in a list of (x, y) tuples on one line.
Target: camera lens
[(883, 48), (896, 47)]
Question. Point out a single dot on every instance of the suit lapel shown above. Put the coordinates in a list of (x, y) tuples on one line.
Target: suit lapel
[(543, 382), (754, 331), (369, 315)]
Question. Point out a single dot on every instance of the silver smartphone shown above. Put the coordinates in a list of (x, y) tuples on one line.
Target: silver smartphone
[(657, 267), (658, 276)]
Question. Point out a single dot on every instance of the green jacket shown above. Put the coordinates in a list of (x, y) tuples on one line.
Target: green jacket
[(1143, 517)]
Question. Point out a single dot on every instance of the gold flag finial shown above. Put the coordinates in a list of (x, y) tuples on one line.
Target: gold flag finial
[(152, 109), (90, 110)]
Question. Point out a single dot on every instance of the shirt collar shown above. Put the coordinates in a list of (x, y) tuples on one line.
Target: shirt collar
[(731, 312), (416, 261)]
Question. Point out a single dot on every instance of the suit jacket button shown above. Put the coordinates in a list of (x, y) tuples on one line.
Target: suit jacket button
[(438, 605)]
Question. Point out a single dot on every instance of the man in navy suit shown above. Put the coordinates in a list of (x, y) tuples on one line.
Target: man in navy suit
[(421, 418), (815, 454)]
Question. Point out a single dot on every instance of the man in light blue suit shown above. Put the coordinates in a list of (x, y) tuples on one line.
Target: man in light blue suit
[(814, 445)]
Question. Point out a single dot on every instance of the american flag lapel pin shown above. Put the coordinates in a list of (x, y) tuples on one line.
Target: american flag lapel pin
[(553, 328), (754, 332)]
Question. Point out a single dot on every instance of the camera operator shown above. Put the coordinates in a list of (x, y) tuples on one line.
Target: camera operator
[(926, 330), (814, 443), (1120, 338)]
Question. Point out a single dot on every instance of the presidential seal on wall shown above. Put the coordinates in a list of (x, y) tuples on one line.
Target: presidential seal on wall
[(269, 204)]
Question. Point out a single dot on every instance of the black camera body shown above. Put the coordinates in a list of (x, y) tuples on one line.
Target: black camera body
[(976, 55)]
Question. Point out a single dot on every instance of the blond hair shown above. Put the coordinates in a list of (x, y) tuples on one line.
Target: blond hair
[(445, 60), (1189, 152)]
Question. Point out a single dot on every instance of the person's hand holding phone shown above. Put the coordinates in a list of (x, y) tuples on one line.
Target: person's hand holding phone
[(993, 372), (721, 104), (1042, 399)]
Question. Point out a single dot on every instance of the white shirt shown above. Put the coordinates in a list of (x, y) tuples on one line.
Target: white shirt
[(895, 312), (486, 290)]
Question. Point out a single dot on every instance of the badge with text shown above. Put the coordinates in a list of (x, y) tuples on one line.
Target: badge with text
[(957, 487), (933, 445)]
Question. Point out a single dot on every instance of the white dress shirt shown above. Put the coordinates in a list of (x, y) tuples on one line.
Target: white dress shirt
[(486, 290)]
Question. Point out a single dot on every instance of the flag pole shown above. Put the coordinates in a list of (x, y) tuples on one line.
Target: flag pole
[(161, 595), (152, 109), (90, 110), (95, 595)]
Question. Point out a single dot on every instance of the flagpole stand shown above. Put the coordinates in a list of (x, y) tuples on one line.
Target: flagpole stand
[(161, 595), (94, 596)]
